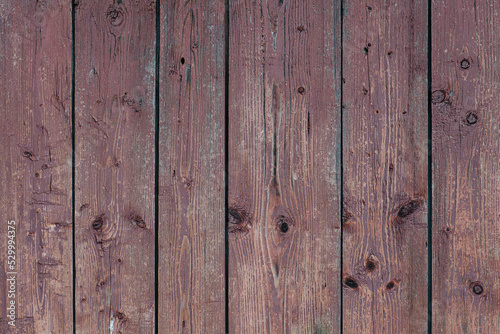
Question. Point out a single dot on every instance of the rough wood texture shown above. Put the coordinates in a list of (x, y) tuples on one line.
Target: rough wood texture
[(115, 166), (465, 167), (35, 163), (284, 171), (385, 167), (191, 150)]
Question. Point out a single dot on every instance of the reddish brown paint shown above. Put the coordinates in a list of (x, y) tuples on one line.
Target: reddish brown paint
[(385, 167), (35, 163), (465, 164), (115, 166), (191, 180), (284, 128)]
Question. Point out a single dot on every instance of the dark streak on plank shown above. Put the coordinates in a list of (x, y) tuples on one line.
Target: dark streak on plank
[(115, 159), (35, 163), (466, 163), (385, 167), (284, 112), (191, 151)]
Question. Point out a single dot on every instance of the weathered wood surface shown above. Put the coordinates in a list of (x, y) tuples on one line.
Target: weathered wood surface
[(284, 171), (465, 167), (385, 167), (293, 262), (115, 166), (191, 173), (35, 163)]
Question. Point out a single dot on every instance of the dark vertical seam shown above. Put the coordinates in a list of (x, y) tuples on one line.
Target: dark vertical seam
[(73, 157), (341, 164), (226, 165), (429, 168), (157, 156)]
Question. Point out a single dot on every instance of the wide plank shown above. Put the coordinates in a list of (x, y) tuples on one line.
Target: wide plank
[(36, 165), (115, 61), (385, 167), (284, 166), (191, 234), (465, 167)]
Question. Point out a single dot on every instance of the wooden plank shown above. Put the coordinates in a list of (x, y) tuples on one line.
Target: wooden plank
[(284, 166), (385, 167), (35, 164), (465, 165), (115, 166), (191, 173)]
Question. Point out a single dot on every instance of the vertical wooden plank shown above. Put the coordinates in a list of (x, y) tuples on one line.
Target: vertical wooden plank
[(465, 168), (385, 167), (191, 172), (115, 166), (35, 164), (284, 166)]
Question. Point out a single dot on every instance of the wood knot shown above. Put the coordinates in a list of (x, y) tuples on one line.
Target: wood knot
[(438, 96), (465, 64), (283, 224), (477, 288), (137, 220), (409, 208), (115, 15), (239, 220), (29, 155), (121, 316), (471, 118), (351, 283), (370, 265), (99, 222)]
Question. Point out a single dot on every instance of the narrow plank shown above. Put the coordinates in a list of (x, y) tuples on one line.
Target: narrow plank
[(284, 166), (115, 166), (385, 167), (191, 172), (35, 164), (465, 167)]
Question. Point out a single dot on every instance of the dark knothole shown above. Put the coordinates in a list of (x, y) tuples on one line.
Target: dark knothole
[(351, 283)]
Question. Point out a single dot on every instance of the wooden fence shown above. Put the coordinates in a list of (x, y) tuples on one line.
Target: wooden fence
[(271, 166)]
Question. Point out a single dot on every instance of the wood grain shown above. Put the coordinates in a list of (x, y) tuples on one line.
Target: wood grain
[(191, 180), (465, 167), (115, 166), (284, 154), (35, 163), (385, 167)]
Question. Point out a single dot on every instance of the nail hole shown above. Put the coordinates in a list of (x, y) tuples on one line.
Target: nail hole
[(369, 8), (284, 227), (365, 49), (477, 288), (283, 223), (390, 285), (300, 28), (465, 64), (471, 118), (301, 90), (369, 44), (183, 60)]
